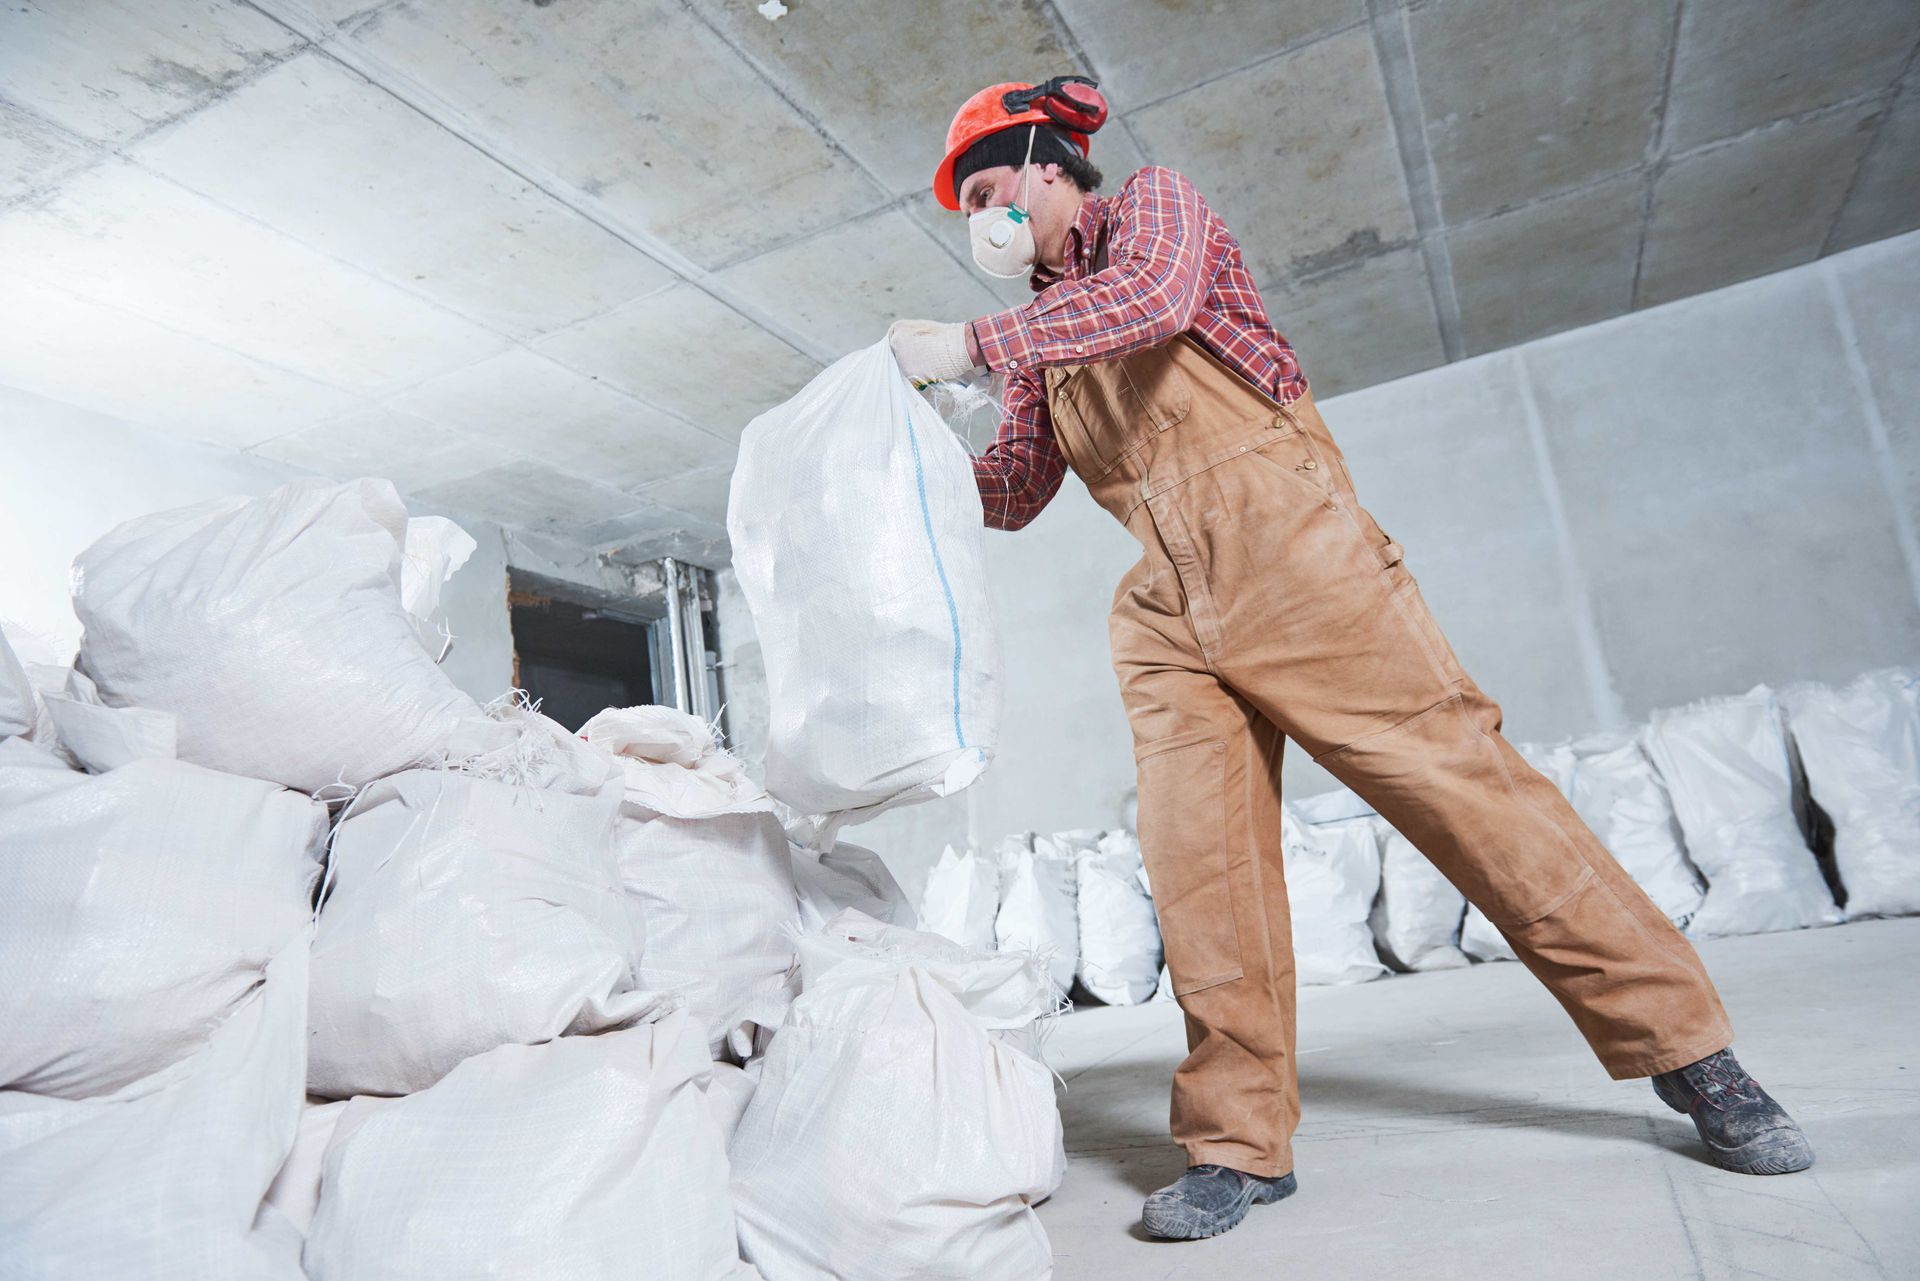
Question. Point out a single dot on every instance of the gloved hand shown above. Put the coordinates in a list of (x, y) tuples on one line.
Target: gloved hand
[(930, 351)]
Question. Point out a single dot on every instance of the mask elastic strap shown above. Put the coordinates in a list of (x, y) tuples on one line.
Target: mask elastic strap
[(1026, 173)]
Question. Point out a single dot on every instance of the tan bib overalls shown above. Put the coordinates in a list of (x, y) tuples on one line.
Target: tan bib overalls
[(1268, 604)]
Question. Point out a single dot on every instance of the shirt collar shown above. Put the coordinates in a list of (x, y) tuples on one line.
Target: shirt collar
[(1082, 238)]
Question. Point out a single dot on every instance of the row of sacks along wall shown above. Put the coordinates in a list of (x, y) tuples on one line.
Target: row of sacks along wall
[(319, 967), (1739, 815)]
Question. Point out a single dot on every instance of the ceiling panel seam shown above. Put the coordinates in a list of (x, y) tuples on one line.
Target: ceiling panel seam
[(214, 343), (404, 89), (1407, 117), (100, 151), (1900, 90), (1305, 42), (512, 341), (1652, 161), (753, 64)]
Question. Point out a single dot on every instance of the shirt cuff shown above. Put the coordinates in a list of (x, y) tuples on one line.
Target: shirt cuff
[(1005, 342)]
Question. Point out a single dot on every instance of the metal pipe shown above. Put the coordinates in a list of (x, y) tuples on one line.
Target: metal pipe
[(697, 648), (676, 632)]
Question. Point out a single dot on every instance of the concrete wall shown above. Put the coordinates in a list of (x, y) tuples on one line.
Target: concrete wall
[(1671, 504), (68, 476)]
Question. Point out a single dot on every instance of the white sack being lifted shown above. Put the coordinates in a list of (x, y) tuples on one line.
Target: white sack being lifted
[(704, 860), (465, 914), (1416, 920), (1119, 933), (137, 910), (590, 1158), (1860, 744), (896, 1132), (163, 1178), (858, 542), (272, 628), (1725, 761), (1332, 874)]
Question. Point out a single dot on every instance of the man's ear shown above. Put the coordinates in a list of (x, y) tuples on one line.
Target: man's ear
[(1049, 171)]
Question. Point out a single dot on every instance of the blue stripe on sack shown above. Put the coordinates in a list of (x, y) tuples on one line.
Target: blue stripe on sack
[(953, 610)]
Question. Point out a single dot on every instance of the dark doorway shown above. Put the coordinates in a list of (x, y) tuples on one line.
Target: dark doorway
[(575, 660)]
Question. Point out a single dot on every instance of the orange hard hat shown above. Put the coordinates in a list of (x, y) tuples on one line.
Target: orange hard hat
[(1008, 106)]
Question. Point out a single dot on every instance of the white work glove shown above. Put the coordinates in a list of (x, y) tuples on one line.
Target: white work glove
[(930, 351)]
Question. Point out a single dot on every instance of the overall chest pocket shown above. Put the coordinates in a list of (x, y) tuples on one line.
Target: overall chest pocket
[(1104, 412)]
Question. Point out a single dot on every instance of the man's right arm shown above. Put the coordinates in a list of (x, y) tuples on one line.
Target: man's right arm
[(1022, 469)]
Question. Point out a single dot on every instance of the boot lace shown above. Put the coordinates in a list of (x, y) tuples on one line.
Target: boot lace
[(1722, 1080)]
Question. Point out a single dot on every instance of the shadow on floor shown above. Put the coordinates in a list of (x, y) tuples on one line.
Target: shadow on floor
[(1103, 1113)]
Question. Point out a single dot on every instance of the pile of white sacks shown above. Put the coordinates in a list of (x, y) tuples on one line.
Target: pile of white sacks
[(315, 966), (1737, 815)]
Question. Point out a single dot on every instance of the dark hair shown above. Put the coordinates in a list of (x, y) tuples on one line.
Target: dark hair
[(1009, 147)]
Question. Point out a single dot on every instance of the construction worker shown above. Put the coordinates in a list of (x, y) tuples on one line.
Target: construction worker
[(1269, 605)]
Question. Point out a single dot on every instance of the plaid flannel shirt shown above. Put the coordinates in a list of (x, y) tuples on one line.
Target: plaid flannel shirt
[(1172, 268)]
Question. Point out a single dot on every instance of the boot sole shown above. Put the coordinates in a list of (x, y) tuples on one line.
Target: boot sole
[(1775, 1152), (1185, 1226)]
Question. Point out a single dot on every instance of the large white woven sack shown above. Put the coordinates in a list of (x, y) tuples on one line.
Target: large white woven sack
[(704, 862), (1860, 744), (858, 541), (163, 1179), (1118, 926), (895, 1131), (1620, 794), (1040, 910), (590, 1158), (1333, 873), (1417, 917), (1120, 950), (272, 628), (465, 914), (1725, 763), (961, 898), (137, 910), (847, 876)]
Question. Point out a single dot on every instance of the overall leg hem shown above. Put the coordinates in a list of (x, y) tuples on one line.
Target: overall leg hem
[(1692, 1052)]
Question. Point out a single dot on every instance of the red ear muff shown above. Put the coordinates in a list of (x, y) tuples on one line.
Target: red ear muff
[(1074, 102), (1078, 105)]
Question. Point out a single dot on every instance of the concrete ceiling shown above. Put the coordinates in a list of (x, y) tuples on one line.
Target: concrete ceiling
[(542, 260)]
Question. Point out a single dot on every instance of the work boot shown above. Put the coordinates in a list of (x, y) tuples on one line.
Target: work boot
[(1209, 1199), (1744, 1129)]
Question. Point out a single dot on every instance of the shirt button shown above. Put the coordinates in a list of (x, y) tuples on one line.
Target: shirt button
[(1013, 364), (1310, 464), (1077, 348)]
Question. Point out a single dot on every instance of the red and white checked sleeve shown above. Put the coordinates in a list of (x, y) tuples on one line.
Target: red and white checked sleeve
[(1022, 469), (1148, 293)]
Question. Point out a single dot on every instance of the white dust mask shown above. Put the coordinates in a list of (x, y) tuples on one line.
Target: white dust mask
[(1002, 235)]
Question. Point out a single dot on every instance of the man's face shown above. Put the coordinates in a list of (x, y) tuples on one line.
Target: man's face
[(1052, 202)]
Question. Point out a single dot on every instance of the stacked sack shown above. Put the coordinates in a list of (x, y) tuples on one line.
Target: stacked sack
[(471, 988), (903, 1124)]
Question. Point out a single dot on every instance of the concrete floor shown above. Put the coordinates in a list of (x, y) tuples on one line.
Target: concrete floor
[(1455, 1126)]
